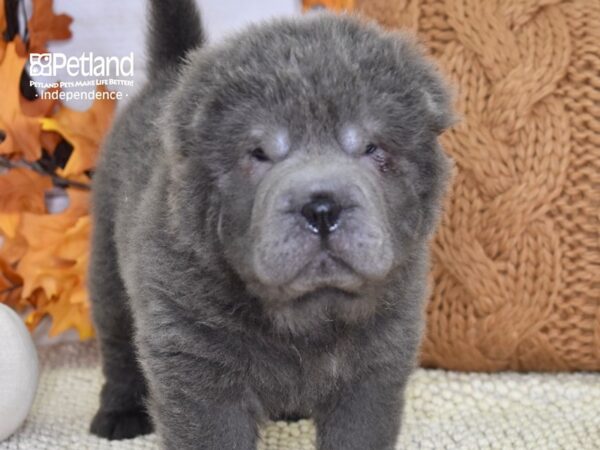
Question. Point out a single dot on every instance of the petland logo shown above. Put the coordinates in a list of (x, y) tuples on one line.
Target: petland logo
[(86, 65)]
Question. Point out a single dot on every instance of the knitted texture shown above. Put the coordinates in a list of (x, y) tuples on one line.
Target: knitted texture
[(444, 410), (516, 273)]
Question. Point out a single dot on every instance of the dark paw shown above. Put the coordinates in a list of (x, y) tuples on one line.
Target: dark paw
[(121, 425)]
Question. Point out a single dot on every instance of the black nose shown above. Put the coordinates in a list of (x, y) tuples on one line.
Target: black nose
[(322, 215)]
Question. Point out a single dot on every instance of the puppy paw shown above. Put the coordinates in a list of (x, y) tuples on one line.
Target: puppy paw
[(117, 425)]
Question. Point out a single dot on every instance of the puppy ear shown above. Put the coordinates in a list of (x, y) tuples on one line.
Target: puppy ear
[(438, 99), (417, 70)]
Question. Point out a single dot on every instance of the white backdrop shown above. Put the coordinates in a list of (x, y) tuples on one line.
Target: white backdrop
[(117, 27)]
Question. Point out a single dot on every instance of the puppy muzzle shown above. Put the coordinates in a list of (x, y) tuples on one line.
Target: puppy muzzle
[(320, 224)]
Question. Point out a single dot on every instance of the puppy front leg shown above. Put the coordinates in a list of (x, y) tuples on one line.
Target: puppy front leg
[(366, 415), (191, 412)]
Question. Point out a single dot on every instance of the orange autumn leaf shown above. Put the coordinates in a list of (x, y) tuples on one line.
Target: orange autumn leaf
[(12, 250), (50, 140), (39, 265), (8, 276), (65, 315), (2, 29), (21, 190), (38, 107), (74, 245), (45, 231), (84, 130), (335, 5), (22, 133), (43, 26), (11, 297), (72, 311), (39, 304), (44, 257), (74, 314), (10, 284), (55, 264)]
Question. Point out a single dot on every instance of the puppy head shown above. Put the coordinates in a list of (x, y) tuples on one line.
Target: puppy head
[(307, 149)]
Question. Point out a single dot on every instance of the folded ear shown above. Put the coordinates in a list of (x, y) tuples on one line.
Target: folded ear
[(437, 97), (420, 73)]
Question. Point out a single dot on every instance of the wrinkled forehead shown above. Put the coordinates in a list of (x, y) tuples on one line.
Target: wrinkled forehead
[(333, 98), (311, 81)]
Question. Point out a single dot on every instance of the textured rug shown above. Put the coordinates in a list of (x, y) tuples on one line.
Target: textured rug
[(445, 410)]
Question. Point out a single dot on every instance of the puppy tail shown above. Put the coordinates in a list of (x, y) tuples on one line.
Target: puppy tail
[(174, 29)]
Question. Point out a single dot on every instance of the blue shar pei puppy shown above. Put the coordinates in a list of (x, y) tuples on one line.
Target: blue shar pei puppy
[(262, 215)]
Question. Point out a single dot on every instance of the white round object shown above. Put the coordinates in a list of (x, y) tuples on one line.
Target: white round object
[(18, 372)]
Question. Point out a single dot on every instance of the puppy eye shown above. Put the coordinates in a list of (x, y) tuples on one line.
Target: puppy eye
[(370, 149), (378, 156), (259, 155)]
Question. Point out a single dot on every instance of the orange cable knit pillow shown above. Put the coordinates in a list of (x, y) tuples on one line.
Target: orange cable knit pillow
[(516, 260)]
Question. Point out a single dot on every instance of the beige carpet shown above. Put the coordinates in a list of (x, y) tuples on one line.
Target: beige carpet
[(444, 410)]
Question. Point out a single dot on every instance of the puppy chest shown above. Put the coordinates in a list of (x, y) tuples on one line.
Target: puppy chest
[(296, 389)]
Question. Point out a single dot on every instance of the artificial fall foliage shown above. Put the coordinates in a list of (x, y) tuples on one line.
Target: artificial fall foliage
[(335, 5), (44, 146), (44, 26)]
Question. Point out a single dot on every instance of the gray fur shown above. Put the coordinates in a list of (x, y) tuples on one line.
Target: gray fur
[(216, 306)]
